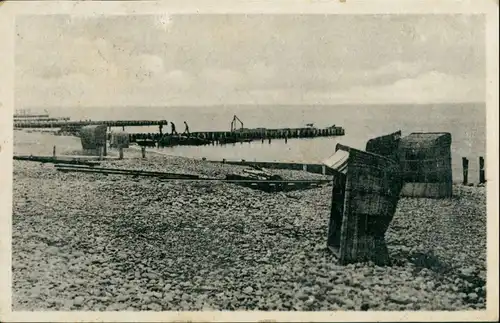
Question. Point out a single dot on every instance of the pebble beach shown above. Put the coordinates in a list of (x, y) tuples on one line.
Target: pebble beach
[(107, 243)]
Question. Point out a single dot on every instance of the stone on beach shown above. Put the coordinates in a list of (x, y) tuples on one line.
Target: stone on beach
[(146, 244)]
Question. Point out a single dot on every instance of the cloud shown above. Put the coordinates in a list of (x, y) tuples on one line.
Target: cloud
[(179, 79), (210, 59), (212, 86), (93, 61), (399, 68), (220, 79), (433, 86)]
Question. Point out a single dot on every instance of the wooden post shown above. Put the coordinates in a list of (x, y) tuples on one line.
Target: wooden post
[(105, 148), (304, 167), (465, 165), (323, 169), (101, 152), (54, 152), (482, 177), (143, 150), (121, 152)]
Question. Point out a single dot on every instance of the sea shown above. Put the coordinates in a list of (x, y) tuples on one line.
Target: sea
[(466, 122)]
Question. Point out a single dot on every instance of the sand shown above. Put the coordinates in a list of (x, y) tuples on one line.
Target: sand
[(94, 242)]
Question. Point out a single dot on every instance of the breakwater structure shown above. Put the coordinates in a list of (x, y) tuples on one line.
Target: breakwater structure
[(79, 124), (231, 137), (26, 114), (22, 117), (161, 139), (40, 119)]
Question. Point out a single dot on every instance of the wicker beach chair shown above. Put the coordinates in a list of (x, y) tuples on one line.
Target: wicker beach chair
[(120, 140), (94, 138), (386, 145), (365, 194), (425, 160)]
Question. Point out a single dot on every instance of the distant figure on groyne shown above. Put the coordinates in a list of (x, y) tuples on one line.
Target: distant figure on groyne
[(186, 129), (173, 128)]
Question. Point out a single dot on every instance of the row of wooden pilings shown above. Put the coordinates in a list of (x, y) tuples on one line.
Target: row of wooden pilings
[(273, 133), (63, 123), (465, 166), (224, 136), (120, 153), (102, 152), (21, 122)]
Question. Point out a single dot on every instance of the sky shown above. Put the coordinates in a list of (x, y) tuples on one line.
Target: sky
[(162, 60)]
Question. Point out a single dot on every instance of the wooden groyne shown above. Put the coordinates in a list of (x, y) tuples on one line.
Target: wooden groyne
[(272, 133), (210, 136), (30, 116), (79, 124), (198, 138), (228, 137), (43, 119)]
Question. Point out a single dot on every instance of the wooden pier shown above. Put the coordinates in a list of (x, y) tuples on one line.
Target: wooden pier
[(199, 138), (43, 119), (231, 137), (30, 116), (109, 123)]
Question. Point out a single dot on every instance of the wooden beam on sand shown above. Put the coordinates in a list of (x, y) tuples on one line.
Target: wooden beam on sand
[(123, 171), (177, 176), (55, 160)]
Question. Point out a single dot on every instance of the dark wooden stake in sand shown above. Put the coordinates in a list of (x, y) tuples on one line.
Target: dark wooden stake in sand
[(465, 166), (101, 153), (482, 176)]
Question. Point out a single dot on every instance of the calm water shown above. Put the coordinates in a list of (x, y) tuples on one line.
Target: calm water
[(466, 123)]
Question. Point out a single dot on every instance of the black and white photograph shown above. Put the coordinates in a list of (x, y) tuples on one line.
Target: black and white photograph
[(168, 160)]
